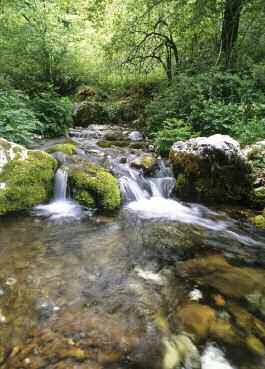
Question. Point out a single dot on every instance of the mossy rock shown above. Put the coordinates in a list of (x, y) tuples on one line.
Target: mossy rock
[(257, 197), (94, 186), (90, 112), (105, 144), (259, 221), (28, 182), (211, 170), (146, 162), (66, 148)]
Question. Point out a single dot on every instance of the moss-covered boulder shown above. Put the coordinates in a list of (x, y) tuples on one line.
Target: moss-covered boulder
[(93, 186), (212, 170), (259, 220), (90, 112), (26, 177), (65, 148)]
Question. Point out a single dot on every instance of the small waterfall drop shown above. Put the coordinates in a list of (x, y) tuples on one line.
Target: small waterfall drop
[(60, 184), (61, 208)]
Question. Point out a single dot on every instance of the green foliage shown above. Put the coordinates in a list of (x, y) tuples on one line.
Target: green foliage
[(174, 130), (18, 122), (22, 117), (54, 112), (212, 103)]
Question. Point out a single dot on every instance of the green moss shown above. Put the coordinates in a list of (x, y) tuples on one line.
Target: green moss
[(180, 181), (67, 148), (98, 183), (85, 198), (27, 182), (108, 143), (259, 221)]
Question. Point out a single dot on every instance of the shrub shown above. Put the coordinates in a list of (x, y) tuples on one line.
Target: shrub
[(18, 122), (54, 112), (211, 103), (174, 130)]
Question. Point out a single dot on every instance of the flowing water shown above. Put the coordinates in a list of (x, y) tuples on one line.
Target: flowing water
[(62, 265)]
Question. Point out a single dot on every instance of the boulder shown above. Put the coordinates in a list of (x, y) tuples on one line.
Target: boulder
[(256, 156), (90, 112), (26, 177), (146, 162), (135, 136), (93, 186), (212, 170)]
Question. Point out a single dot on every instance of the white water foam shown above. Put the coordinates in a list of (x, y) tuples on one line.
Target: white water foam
[(60, 210), (214, 358), (159, 207)]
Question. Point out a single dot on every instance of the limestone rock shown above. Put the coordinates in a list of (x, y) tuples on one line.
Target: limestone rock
[(213, 170)]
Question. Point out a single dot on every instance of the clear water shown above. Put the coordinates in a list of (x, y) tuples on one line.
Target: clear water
[(61, 266)]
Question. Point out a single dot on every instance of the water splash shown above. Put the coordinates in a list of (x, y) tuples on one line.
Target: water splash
[(213, 358), (61, 209)]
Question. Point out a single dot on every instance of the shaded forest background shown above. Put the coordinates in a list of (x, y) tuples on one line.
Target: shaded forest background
[(174, 68)]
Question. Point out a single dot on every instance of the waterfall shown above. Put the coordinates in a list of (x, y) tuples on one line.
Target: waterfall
[(60, 184), (61, 208), (131, 190), (135, 187)]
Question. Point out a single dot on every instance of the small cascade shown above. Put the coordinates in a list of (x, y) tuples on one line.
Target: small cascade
[(135, 187), (131, 190), (61, 208), (60, 184)]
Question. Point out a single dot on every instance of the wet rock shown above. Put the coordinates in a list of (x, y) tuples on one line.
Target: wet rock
[(255, 345), (26, 177), (202, 321), (136, 136), (259, 220), (87, 340), (180, 352), (256, 156), (247, 321), (212, 170), (257, 301), (65, 148), (196, 319), (147, 162), (231, 281), (107, 143)]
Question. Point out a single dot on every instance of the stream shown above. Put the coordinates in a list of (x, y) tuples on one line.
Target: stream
[(81, 290)]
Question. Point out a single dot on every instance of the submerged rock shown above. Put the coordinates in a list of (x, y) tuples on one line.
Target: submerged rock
[(87, 340), (180, 351), (93, 186), (26, 177), (211, 169)]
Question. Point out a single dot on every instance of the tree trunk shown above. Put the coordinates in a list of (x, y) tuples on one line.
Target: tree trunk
[(169, 64), (232, 12)]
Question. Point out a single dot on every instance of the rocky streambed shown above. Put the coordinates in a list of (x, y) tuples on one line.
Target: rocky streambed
[(151, 283)]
